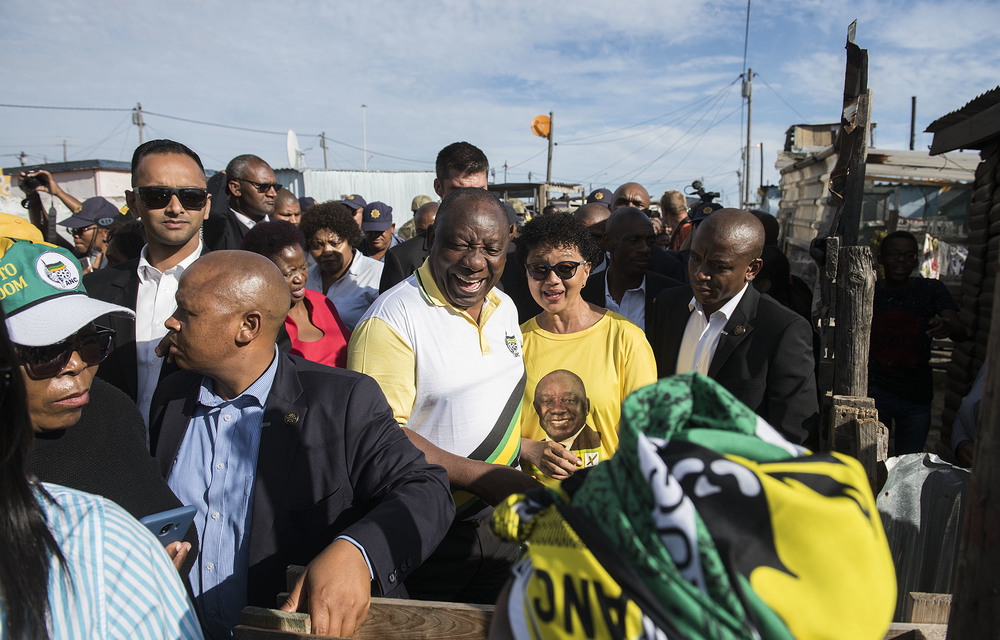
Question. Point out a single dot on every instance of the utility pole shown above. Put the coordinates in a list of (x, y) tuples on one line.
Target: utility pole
[(322, 143), (23, 158), (552, 132), (64, 149), (364, 135), (913, 120), (748, 94), (505, 165), (137, 119), (761, 145)]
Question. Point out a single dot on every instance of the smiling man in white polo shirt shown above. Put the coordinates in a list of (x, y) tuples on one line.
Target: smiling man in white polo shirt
[(445, 347)]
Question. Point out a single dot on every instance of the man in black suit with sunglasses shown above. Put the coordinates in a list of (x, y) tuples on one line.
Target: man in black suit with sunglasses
[(252, 196), (169, 196)]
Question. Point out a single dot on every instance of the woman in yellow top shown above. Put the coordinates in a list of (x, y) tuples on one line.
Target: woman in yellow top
[(608, 353)]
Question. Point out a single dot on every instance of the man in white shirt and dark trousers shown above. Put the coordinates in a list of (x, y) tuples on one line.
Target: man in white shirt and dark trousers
[(169, 196), (760, 351)]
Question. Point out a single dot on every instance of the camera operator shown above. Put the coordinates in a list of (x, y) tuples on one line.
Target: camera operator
[(89, 228), (34, 183)]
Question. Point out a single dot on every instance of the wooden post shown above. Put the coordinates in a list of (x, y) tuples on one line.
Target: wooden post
[(855, 292), (974, 610)]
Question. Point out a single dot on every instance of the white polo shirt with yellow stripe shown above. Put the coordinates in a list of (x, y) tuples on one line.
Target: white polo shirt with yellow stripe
[(456, 382)]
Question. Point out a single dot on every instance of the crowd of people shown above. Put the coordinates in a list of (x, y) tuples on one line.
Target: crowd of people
[(328, 393)]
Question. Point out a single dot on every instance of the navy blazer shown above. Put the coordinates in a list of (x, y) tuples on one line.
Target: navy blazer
[(764, 357), (119, 284), (332, 462), (593, 291)]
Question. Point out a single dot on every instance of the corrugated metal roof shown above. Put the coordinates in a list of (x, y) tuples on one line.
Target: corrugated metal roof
[(973, 107), (395, 188), (76, 165)]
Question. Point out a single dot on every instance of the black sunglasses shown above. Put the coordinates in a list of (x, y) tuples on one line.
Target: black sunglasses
[(79, 231), (159, 197), (49, 360), (262, 187), (565, 270)]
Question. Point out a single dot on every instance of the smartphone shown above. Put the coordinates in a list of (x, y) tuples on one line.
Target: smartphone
[(170, 526)]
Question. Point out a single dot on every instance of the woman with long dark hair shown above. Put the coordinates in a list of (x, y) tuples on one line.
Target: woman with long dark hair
[(74, 565)]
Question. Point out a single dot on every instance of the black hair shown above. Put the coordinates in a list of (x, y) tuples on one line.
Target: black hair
[(334, 216), (898, 235), (160, 147), (556, 230), (129, 236), (269, 238), (771, 226), (237, 166), (462, 157), (28, 544)]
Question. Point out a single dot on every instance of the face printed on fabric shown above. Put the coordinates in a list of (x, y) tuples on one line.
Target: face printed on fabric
[(718, 268), (553, 293), (562, 405), (332, 253), (291, 262), (172, 224), (469, 252)]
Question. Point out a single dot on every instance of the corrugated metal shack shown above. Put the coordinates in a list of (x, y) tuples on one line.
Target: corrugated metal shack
[(395, 188), (909, 190), (974, 126)]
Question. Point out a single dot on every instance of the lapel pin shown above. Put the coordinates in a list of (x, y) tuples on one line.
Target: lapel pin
[(291, 418), (739, 330)]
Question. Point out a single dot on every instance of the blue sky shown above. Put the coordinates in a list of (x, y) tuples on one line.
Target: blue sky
[(642, 90)]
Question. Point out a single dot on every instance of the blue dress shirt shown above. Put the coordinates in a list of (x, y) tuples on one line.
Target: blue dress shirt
[(214, 471)]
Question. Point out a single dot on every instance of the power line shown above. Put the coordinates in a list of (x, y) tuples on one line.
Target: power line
[(780, 98), (209, 124)]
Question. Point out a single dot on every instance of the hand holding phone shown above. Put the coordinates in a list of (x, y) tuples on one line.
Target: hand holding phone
[(170, 526)]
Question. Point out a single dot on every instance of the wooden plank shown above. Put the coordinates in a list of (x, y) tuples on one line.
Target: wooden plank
[(387, 618), (968, 133), (243, 632), (855, 293), (420, 620), (927, 607), (914, 631), (275, 619)]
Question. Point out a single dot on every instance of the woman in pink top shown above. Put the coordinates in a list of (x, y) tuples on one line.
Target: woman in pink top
[(316, 331)]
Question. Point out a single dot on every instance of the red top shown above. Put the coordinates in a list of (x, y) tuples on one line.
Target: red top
[(331, 349)]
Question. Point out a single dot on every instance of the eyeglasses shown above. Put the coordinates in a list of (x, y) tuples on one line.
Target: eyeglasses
[(262, 187), (159, 197), (47, 361), (79, 231), (565, 270), (905, 255)]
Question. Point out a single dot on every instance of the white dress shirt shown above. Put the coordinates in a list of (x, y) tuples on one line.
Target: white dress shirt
[(355, 291), (633, 305), (154, 304), (245, 221), (701, 335)]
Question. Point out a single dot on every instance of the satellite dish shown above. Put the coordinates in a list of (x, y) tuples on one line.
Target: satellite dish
[(540, 126), (294, 154)]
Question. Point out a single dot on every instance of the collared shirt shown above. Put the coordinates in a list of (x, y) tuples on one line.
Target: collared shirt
[(701, 335), (244, 220), (117, 582), (355, 291), (153, 305), (633, 304), (214, 471)]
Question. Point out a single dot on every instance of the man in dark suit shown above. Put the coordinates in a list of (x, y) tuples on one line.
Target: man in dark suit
[(627, 286), (252, 194), (287, 461), (747, 342), (403, 259), (169, 197)]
